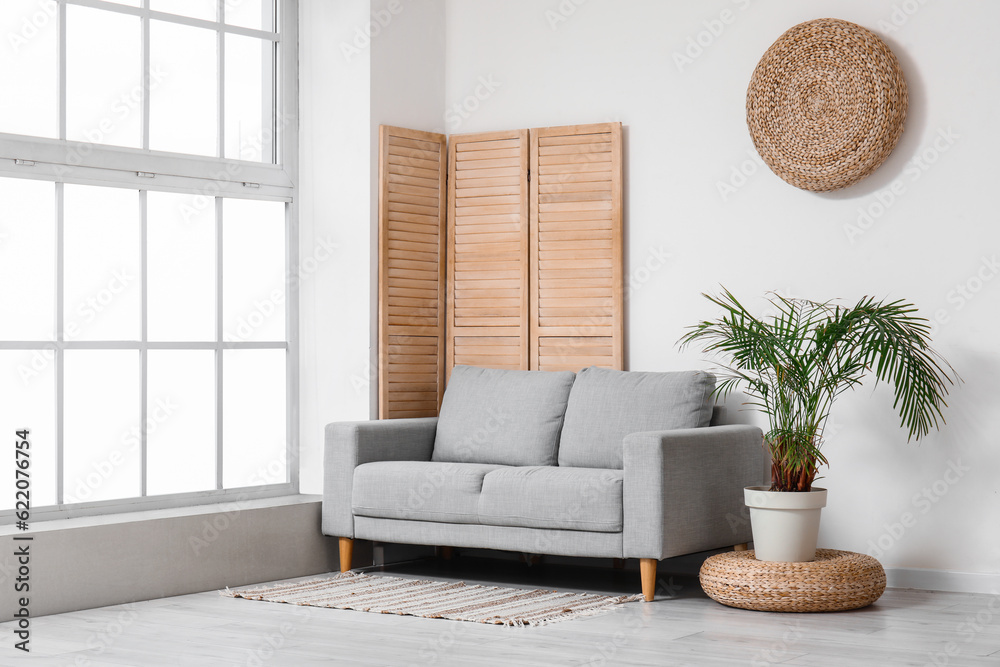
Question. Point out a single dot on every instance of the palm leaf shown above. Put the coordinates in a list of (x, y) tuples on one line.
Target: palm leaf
[(795, 363)]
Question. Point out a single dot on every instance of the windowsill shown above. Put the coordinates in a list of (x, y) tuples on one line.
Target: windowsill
[(37, 527)]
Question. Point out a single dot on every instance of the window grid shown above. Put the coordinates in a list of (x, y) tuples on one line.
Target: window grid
[(282, 98), (60, 326), (269, 178), (145, 12), (144, 130), (219, 403), (61, 45), (220, 142), (220, 27), (143, 345), (144, 338)]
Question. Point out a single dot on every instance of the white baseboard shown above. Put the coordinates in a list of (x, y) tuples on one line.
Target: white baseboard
[(942, 580)]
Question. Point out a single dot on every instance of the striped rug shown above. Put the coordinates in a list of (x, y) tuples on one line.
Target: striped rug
[(437, 599)]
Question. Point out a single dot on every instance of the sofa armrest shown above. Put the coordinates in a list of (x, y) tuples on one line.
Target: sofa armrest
[(349, 444), (683, 489)]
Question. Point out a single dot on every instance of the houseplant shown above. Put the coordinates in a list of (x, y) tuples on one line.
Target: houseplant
[(792, 365)]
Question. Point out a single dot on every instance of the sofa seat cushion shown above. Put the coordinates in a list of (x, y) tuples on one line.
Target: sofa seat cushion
[(552, 497), (419, 490), (502, 417), (606, 405)]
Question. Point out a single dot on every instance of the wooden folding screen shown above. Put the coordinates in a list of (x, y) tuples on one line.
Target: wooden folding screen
[(412, 173), (487, 311), (576, 247), (529, 272)]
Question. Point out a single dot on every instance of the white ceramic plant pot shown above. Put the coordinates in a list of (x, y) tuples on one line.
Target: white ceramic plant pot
[(785, 524)]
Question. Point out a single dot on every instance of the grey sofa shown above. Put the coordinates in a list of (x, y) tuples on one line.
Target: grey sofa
[(600, 463)]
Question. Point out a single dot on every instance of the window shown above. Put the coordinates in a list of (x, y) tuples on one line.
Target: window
[(147, 250)]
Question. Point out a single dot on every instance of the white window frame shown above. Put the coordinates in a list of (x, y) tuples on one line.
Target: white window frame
[(61, 161)]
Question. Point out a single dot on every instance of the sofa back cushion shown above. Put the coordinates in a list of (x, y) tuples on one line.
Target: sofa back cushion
[(606, 405), (502, 417)]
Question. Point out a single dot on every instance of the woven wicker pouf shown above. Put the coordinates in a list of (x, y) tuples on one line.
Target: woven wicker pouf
[(835, 581)]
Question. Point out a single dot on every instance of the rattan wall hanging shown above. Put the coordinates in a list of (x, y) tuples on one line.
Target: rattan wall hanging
[(826, 104)]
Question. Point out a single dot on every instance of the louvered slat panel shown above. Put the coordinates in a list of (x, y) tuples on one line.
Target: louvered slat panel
[(488, 250), (576, 247), (412, 168), (488, 351), (566, 353)]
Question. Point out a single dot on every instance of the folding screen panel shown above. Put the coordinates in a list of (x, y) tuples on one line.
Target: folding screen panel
[(527, 273), (412, 173), (488, 250), (576, 282)]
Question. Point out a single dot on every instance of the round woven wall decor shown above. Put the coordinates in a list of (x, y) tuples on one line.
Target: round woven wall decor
[(826, 104)]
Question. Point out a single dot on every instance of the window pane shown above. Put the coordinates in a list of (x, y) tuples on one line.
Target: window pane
[(28, 65), (180, 251), (180, 421), (183, 89), (28, 400), (102, 435), (27, 260), (102, 294), (253, 398), (199, 9), (249, 73), (256, 14), (103, 77), (253, 266)]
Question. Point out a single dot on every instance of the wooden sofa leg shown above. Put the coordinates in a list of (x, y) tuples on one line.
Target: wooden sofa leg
[(647, 571), (346, 551), (741, 547), (618, 563), (446, 552)]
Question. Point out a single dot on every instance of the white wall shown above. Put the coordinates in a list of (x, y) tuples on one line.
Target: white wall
[(334, 206), (361, 63), (530, 63), (579, 61)]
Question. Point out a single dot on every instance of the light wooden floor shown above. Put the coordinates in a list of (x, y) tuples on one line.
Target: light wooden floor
[(681, 627)]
